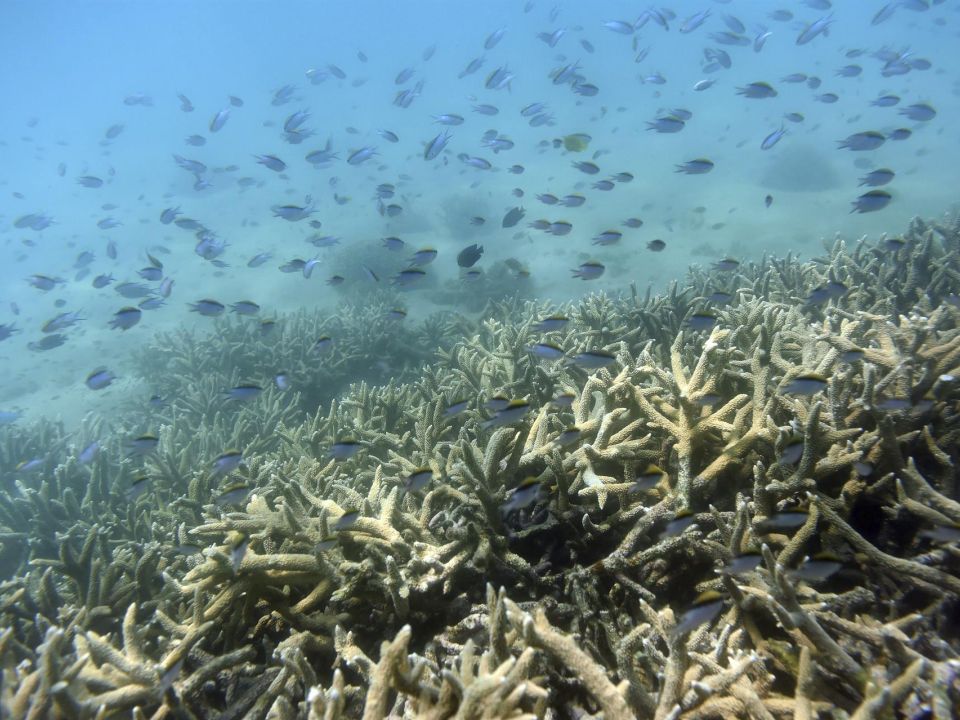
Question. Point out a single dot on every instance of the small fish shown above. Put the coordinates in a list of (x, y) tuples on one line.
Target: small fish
[(702, 321), (868, 140), (568, 436), (743, 564), (699, 166), (327, 543), (703, 610), (886, 101), (585, 166), (227, 462), (811, 31), (647, 479), (8, 417), (773, 138), (942, 534), (726, 265), (291, 213), (271, 162), (133, 290), (219, 120), (806, 384), (456, 407), (514, 410), (89, 453), (594, 359), (48, 342), (232, 495), (436, 146), (423, 256), (90, 181), (245, 307), (243, 392), (876, 178), (187, 549), (683, 520), (208, 308), (259, 259), (28, 466), (344, 449), (43, 282), (143, 445), (469, 256), (448, 119), (61, 322), (551, 323), (125, 318), (140, 484), (528, 492), (393, 244), (347, 520), (607, 237), (237, 550), (817, 568), (921, 112), (100, 378), (871, 201), (784, 520), (418, 479), (792, 451), (362, 155), (656, 245), (546, 351), (564, 399), (589, 270), (757, 90)]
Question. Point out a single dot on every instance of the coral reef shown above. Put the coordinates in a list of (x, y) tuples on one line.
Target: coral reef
[(751, 511)]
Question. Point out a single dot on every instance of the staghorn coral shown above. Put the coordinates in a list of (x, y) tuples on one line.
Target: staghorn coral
[(340, 588)]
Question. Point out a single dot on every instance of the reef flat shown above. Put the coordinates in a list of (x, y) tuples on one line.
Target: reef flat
[(738, 499)]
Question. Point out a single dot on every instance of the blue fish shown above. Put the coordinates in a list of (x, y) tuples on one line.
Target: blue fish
[(773, 138), (871, 201), (436, 146), (700, 166)]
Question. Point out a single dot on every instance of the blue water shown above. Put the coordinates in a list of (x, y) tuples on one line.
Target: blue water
[(68, 66)]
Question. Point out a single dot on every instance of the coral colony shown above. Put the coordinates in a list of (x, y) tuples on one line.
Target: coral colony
[(734, 500)]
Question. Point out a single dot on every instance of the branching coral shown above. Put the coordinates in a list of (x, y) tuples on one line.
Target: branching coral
[(754, 520)]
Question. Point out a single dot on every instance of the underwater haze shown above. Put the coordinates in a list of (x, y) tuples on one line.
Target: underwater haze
[(327, 324), (121, 89)]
